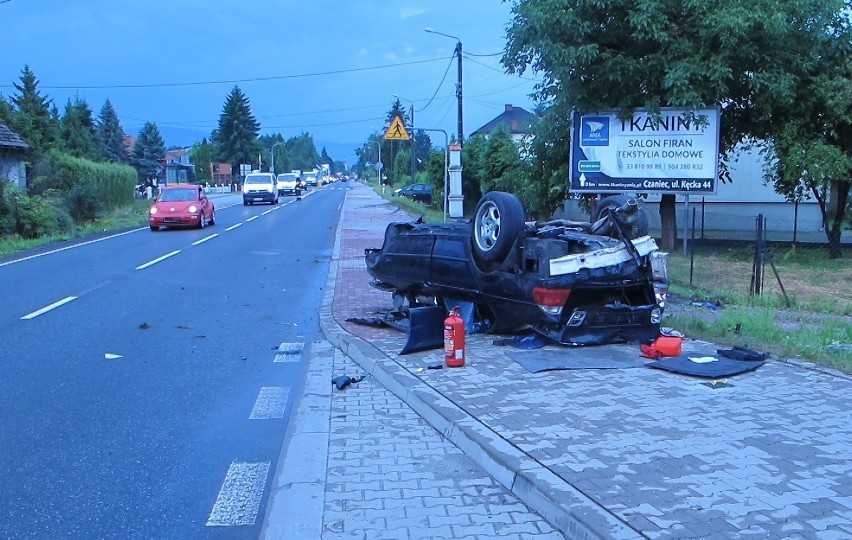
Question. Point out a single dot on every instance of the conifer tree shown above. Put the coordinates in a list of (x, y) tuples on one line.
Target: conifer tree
[(32, 120), (236, 137), (111, 135), (77, 131), (149, 150)]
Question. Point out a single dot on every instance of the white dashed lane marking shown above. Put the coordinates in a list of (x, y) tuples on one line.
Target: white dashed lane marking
[(158, 259), (232, 227), (211, 237), (239, 498), (271, 403), (252, 218), (45, 309)]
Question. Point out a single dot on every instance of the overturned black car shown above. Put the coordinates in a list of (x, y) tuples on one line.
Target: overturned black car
[(577, 283)]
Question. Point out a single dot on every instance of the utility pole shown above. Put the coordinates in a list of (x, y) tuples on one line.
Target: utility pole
[(459, 91), (458, 53)]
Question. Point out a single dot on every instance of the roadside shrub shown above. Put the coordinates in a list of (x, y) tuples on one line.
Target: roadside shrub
[(113, 183), (8, 191), (82, 202), (43, 215)]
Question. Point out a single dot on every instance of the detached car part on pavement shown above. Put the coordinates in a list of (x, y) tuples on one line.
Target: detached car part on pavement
[(577, 283)]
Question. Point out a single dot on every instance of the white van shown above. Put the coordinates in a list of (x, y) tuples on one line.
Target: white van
[(260, 187)]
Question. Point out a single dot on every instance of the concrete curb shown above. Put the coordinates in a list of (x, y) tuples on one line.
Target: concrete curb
[(557, 501)]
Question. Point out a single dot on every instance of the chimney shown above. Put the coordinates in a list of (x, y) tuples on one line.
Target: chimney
[(508, 107)]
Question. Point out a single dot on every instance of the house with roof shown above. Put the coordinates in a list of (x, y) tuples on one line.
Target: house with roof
[(515, 120), (13, 151)]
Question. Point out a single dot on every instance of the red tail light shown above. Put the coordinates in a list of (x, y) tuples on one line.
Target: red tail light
[(550, 301)]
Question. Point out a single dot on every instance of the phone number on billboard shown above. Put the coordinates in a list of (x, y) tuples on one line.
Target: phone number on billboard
[(659, 166)]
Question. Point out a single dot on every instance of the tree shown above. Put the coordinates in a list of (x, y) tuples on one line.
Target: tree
[(473, 159), (236, 137), (502, 169), (548, 170), (201, 156), (282, 160), (810, 149), (6, 113), (77, 131), (111, 135), (624, 54), (32, 119), (149, 150), (302, 152), (422, 148), (325, 158)]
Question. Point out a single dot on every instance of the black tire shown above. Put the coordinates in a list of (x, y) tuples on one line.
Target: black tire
[(245, 203), (497, 223), (201, 222), (613, 201), (630, 222), (213, 217), (155, 228)]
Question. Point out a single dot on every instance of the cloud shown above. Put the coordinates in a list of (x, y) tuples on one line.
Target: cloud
[(407, 12)]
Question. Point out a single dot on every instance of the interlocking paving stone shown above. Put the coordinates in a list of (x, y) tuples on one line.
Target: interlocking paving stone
[(771, 454)]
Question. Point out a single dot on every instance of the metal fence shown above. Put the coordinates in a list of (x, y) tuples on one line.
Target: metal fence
[(751, 257)]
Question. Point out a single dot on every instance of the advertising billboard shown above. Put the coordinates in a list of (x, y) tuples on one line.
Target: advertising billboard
[(664, 153)]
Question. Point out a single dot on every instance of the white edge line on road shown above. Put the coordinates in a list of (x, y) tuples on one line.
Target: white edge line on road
[(252, 218), (158, 259), (211, 237), (239, 498), (45, 309), (232, 227), (7, 263)]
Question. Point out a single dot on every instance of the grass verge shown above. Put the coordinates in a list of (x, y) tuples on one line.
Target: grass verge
[(132, 215)]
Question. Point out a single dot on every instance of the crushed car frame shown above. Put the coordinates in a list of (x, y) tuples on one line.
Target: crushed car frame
[(576, 283)]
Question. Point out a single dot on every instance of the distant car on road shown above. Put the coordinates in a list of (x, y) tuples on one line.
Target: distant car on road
[(260, 187), (181, 205), (289, 184), (310, 179), (416, 192)]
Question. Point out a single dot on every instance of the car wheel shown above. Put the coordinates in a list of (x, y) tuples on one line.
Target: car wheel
[(245, 203), (628, 220), (213, 217), (498, 221), (155, 228), (201, 221)]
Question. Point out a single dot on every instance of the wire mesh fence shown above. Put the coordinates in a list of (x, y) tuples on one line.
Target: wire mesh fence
[(763, 262)]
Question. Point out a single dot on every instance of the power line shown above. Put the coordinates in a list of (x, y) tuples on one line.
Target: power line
[(500, 70), (439, 85), (232, 81)]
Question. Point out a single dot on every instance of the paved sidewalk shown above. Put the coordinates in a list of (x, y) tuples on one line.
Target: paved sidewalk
[(629, 453)]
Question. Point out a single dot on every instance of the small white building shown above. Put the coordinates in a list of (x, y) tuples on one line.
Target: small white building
[(12, 156), (735, 207)]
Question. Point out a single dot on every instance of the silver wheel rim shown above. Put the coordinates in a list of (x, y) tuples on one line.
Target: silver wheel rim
[(487, 226)]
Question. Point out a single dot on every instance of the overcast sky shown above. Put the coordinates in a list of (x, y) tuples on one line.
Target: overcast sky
[(329, 68)]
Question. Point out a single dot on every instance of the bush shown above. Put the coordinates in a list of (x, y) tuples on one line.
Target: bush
[(42, 216), (82, 202), (8, 191)]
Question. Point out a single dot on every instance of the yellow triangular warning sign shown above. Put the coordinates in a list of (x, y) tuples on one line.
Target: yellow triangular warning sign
[(396, 131)]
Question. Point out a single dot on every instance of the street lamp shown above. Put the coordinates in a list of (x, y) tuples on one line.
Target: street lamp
[(412, 133), (273, 156), (458, 53)]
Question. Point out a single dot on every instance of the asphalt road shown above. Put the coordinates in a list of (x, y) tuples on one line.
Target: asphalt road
[(140, 395)]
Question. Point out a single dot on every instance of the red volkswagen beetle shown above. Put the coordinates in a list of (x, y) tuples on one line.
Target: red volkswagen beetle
[(181, 205)]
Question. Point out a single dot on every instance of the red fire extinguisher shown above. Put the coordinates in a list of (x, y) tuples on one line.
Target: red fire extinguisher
[(454, 339)]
